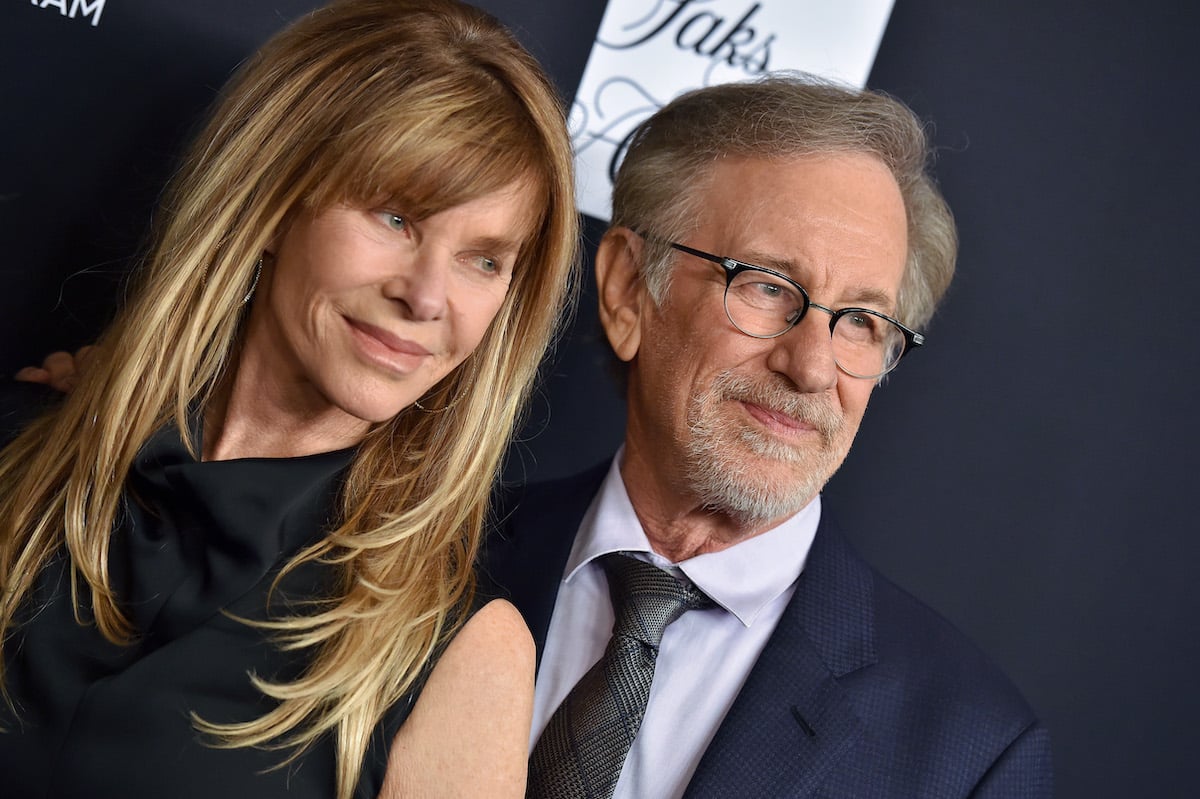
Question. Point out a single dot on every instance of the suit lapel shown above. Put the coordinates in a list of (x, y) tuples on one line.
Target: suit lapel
[(792, 721)]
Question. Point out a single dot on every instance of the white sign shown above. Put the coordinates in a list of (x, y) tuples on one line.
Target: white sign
[(647, 53), (82, 8)]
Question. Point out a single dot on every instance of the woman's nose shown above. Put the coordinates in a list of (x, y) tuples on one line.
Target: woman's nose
[(421, 287)]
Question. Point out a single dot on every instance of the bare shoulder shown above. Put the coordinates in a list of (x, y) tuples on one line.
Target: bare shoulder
[(490, 661), (468, 734), (497, 628)]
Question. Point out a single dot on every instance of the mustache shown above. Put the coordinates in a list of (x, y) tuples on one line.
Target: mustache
[(811, 409)]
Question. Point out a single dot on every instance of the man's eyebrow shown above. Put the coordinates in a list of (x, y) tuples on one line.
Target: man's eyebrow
[(872, 299)]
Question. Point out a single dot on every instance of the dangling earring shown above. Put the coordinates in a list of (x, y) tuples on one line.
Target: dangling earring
[(442, 409), (462, 392), (253, 281)]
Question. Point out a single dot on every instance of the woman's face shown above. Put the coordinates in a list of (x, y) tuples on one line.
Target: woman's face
[(361, 311)]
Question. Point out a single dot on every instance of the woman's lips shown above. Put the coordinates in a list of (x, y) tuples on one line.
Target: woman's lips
[(386, 348)]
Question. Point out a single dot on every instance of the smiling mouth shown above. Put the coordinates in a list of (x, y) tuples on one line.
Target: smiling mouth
[(385, 348), (777, 420), (791, 416)]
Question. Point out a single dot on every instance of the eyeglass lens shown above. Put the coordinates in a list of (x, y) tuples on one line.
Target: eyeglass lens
[(762, 305)]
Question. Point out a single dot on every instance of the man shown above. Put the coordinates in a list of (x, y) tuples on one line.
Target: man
[(747, 219)]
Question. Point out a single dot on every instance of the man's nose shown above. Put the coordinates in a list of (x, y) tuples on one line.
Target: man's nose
[(804, 354), (420, 286)]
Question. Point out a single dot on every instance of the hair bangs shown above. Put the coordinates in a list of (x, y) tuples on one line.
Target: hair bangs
[(425, 154)]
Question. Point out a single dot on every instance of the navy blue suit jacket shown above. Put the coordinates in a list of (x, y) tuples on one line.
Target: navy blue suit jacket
[(861, 691)]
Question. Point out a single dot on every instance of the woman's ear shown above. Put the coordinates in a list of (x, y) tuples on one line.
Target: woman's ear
[(272, 245), (621, 289), (283, 226)]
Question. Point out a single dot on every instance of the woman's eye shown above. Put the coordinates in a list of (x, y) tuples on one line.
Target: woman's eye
[(394, 221), (486, 264)]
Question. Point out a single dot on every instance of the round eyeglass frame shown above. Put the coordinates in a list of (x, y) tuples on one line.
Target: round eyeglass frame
[(733, 267)]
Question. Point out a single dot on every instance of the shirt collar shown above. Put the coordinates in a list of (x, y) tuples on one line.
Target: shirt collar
[(743, 578)]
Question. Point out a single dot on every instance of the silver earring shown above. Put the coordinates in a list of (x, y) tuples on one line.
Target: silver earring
[(442, 409), (461, 393), (253, 281)]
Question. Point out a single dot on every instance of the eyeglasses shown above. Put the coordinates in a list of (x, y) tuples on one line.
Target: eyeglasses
[(764, 304)]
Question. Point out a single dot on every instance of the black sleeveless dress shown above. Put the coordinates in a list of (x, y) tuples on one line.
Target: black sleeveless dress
[(196, 543)]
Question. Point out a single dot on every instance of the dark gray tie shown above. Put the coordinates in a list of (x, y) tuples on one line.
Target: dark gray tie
[(580, 753)]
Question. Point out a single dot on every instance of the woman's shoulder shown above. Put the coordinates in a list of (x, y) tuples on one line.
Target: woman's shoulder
[(498, 630), (488, 666), (468, 734)]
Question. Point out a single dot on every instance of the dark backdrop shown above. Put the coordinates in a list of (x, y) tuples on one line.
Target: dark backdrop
[(1029, 473)]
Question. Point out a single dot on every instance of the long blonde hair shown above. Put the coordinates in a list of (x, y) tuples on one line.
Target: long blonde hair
[(429, 102)]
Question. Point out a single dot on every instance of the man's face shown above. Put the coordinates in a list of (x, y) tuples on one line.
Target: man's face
[(753, 428)]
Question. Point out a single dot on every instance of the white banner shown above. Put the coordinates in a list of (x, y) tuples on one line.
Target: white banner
[(83, 9), (647, 53)]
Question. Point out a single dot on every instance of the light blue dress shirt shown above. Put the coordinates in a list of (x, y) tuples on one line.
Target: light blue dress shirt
[(705, 656)]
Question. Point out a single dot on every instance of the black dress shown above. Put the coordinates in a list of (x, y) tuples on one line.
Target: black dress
[(194, 542)]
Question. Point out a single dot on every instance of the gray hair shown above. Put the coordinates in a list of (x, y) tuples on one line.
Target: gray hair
[(785, 115)]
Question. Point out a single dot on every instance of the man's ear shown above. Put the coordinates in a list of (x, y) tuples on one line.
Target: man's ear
[(622, 292)]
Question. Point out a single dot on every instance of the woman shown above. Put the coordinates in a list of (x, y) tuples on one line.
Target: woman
[(234, 556)]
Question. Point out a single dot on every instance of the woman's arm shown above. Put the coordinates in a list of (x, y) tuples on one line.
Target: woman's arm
[(468, 734)]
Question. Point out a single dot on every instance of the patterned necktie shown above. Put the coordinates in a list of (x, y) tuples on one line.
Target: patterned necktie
[(580, 753)]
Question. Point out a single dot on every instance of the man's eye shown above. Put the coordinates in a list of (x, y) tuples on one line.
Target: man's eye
[(860, 320), (859, 327)]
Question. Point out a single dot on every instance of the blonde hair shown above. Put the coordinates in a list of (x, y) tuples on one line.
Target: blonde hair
[(784, 115), (429, 102)]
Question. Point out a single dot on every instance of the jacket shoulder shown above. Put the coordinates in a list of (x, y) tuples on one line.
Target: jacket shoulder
[(513, 503), (935, 656), (936, 699)]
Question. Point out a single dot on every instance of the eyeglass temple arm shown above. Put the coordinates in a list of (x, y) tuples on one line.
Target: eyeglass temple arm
[(728, 263)]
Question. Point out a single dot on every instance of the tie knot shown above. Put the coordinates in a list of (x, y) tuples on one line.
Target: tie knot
[(646, 599)]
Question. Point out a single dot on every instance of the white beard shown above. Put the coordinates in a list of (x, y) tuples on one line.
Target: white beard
[(746, 473)]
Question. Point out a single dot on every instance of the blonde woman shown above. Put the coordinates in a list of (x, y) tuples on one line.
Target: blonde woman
[(237, 560)]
